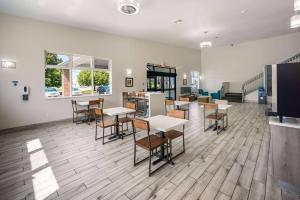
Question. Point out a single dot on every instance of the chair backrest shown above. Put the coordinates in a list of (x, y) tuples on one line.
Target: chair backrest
[(131, 106), (169, 102), (210, 106), (221, 102), (132, 94), (98, 111), (184, 99), (141, 124), (125, 94), (141, 94), (94, 102), (177, 114)]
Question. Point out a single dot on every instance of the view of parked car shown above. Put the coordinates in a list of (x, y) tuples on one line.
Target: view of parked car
[(103, 89), (51, 92), (76, 92)]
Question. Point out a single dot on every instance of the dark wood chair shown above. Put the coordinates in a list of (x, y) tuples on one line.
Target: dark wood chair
[(128, 118), (169, 105), (77, 112), (149, 143), (100, 122), (98, 103), (213, 115), (186, 108)]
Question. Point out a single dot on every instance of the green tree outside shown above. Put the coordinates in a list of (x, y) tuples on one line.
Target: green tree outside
[(84, 78), (52, 76)]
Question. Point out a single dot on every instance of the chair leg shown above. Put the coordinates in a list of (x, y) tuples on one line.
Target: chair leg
[(134, 155), (183, 143), (122, 133), (150, 173), (103, 135), (171, 153), (96, 132)]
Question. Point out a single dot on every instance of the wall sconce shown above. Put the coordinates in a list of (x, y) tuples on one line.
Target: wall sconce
[(8, 64), (184, 79), (128, 72)]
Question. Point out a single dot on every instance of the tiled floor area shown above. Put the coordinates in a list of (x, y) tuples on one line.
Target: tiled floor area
[(65, 162)]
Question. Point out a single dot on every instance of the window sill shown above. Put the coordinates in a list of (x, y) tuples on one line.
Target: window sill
[(80, 96)]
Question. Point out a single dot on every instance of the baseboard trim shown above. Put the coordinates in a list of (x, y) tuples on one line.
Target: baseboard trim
[(251, 101), (33, 126)]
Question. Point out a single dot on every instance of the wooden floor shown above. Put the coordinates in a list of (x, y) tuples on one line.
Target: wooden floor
[(65, 162)]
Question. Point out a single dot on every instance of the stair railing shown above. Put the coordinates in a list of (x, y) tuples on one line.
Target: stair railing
[(255, 82), (252, 84)]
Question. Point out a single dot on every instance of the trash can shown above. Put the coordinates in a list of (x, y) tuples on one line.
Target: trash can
[(262, 98)]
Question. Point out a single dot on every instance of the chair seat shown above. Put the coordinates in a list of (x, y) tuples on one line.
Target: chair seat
[(107, 123), (184, 109), (125, 119), (216, 117), (172, 134), (81, 111), (155, 142)]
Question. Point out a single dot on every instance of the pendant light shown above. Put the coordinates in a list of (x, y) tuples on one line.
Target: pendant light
[(205, 44)]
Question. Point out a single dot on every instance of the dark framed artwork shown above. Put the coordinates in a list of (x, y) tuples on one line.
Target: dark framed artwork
[(184, 81), (128, 82)]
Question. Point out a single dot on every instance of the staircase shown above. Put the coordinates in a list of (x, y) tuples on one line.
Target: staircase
[(233, 97), (255, 82)]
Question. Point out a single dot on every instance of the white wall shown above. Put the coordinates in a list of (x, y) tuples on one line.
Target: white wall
[(243, 61), (25, 40)]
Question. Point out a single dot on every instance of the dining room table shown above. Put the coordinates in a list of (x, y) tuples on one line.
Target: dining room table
[(115, 112), (222, 107), (163, 123)]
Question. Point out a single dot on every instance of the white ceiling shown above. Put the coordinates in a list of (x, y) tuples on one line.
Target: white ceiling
[(223, 18)]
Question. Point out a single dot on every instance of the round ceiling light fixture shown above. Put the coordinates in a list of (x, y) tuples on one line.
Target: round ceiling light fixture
[(129, 7), (205, 44)]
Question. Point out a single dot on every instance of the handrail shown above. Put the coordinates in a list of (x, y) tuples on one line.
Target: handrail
[(256, 80)]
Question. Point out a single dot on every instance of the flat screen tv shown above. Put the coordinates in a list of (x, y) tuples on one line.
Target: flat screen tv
[(288, 90), (185, 90)]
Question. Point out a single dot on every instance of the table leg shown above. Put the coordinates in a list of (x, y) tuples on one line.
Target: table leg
[(162, 155), (117, 133)]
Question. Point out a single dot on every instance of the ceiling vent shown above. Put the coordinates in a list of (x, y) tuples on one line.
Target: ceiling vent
[(129, 7)]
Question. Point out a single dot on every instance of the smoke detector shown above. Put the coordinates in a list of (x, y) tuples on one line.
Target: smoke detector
[(129, 7)]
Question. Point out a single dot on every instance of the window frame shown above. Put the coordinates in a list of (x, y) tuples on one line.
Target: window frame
[(71, 67)]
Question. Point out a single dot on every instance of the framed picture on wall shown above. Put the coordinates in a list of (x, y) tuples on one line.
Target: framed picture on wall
[(128, 82), (184, 81)]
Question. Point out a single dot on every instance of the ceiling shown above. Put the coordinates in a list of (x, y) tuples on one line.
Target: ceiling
[(155, 21)]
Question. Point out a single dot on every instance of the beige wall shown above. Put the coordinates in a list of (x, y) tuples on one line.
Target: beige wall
[(243, 61), (25, 40)]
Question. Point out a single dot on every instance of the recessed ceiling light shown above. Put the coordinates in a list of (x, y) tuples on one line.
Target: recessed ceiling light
[(129, 7), (244, 11), (178, 21)]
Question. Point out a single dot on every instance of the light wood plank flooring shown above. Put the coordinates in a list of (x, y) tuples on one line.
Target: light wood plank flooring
[(65, 162)]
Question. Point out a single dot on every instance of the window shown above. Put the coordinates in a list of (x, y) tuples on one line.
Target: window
[(195, 78), (69, 75)]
